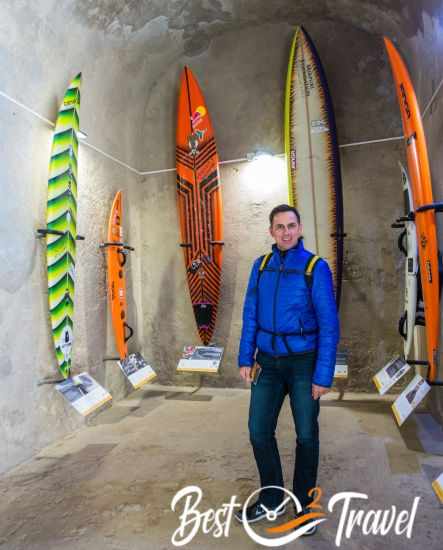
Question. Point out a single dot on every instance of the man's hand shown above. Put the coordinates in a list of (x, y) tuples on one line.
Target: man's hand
[(245, 373), (318, 391)]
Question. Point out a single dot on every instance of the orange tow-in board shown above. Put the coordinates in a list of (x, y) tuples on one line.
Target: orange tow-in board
[(419, 172), (116, 258), (199, 204)]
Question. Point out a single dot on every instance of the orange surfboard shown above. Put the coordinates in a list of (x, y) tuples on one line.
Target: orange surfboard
[(116, 251), (199, 203), (420, 176)]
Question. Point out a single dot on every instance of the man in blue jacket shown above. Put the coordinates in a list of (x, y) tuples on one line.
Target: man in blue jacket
[(290, 330)]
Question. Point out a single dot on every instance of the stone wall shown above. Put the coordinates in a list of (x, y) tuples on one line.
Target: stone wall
[(131, 55)]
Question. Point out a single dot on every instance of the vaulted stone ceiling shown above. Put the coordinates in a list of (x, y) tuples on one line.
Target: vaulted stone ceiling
[(131, 53), (200, 21)]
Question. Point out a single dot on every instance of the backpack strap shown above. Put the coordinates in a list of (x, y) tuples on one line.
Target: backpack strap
[(264, 261), (309, 269)]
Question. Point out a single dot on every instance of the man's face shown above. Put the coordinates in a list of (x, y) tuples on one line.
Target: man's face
[(285, 230)]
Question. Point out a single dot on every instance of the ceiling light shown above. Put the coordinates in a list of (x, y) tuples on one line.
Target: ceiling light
[(259, 155)]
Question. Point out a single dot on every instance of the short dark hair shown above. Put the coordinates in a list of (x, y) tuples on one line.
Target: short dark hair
[(283, 208)]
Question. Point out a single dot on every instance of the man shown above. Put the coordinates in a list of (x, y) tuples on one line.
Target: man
[(290, 320)]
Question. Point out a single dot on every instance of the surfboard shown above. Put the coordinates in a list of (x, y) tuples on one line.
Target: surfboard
[(420, 177), (199, 204), (312, 156), (408, 245), (116, 253), (61, 231)]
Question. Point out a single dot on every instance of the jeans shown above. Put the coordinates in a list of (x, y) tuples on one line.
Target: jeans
[(280, 376)]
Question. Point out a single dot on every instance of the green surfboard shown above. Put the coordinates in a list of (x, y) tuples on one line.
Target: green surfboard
[(61, 232)]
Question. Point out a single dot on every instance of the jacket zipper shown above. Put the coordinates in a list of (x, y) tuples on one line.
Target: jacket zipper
[(275, 299), (302, 328)]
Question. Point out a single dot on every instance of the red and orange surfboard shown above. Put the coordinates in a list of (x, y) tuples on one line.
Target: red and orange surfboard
[(199, 203), (420, 176), (116, 259)]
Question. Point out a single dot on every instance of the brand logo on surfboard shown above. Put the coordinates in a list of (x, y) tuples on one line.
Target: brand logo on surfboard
[(193, 144), (405, 100), (198, 115), (193, 141), (65, 342), (309, 79), (429, 271), (308, 76)]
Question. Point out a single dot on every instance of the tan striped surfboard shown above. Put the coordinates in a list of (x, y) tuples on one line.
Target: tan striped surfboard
[(314, 178)]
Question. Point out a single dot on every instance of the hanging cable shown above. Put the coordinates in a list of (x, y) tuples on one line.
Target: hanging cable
[(23, 106), (222, 162), (371, 141), (431, 101)]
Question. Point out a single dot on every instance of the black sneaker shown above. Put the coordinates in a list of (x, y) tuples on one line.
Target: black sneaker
[(312, 530), (258, 511)]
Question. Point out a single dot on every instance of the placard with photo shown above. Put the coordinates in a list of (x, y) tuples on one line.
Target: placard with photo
[(84, 393), (137, 370), (437, 485), (204, 359), (341, 364), (410, 398), (390, 374)]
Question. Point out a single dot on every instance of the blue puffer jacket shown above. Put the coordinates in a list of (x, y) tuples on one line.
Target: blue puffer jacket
[(283, 303)]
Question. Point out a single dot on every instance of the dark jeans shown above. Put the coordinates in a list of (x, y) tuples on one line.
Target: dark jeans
[(293, 376)]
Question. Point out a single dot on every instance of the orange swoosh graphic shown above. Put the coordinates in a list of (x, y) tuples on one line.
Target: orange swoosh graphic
[(295, 522)]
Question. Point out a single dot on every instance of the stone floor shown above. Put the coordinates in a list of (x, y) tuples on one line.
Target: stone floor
[(110, 485)]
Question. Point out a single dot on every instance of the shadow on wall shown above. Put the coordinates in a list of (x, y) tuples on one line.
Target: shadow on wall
[(90, 310), (164, 324), (131, 221), (134, 343), (49, 367), (226, 324)]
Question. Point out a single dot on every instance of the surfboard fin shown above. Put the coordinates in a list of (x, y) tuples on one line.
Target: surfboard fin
[(401, 242), (131, 332), (401, 325)]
